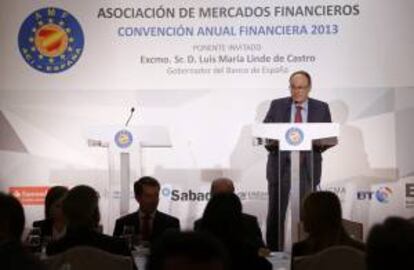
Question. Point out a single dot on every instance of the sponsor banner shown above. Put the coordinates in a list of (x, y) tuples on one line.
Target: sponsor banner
[(409, 195), (175, 194), (30, 195), (382, 195), (340, 191), (171, 193)]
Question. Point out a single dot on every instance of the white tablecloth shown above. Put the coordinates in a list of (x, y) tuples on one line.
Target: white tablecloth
[(279, 260)]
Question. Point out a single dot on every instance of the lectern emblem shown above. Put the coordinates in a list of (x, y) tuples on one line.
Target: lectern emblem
[(294, 136), (123, 138)]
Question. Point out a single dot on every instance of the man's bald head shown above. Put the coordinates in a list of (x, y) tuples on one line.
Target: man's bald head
[(222, 185)]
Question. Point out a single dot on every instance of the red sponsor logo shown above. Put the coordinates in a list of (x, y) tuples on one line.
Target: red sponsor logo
[(30, 195)]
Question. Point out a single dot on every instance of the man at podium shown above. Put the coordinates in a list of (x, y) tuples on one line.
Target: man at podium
[(298, 108)]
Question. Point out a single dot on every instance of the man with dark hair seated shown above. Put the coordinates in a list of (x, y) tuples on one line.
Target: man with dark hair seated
[(148, 222), (322, 219), (187, 251), (81, 210), (251, 225), (390, 245), (12, 254)]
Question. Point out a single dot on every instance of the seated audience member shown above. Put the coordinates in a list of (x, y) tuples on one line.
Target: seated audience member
[(322, 220), (251, 225), (53, 226), (13, 256), (223, 219), (147, 221), (81, 211), (11, 218), (187, 251), (390, 245)]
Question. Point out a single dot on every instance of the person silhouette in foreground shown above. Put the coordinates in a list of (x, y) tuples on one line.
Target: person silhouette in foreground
[(322, 220), (13, 255), (390, 245), (223, 219), (81, 210), (251, 225), (187, 251)]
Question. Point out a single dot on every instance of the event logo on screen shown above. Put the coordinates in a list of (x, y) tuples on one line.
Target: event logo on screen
[(51, 40)]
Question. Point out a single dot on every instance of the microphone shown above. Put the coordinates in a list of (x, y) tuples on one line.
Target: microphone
[(130, 116)]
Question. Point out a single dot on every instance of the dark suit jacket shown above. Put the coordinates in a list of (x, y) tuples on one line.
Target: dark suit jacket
[(251, 227), (161, 223), (13, 255), (87, 237), (280, 112)]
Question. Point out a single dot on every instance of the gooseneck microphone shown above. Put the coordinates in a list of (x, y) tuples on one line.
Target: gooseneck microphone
[(130, 116)]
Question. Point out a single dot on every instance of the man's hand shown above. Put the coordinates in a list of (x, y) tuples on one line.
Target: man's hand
[(272, 145)]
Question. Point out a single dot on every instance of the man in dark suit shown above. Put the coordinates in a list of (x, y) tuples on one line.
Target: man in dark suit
[(296, 108), (250, 223), (81, 210), (148, 222)]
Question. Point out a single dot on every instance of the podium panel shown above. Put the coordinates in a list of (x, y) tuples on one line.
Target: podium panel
[(296, 138), (124, 149)]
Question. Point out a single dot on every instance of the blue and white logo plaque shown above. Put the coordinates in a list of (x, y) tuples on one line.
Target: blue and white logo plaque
[(294, 136), (123, 138)]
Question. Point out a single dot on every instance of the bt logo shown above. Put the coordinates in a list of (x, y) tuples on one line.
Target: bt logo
[(382, 195)]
